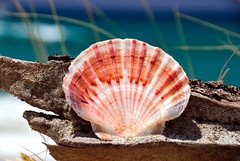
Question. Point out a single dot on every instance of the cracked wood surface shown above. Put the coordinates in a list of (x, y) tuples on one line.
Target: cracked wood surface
[(210, 122), (38, 84)]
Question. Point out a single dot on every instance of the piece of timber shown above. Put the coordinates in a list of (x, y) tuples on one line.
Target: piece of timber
[(183, 139)]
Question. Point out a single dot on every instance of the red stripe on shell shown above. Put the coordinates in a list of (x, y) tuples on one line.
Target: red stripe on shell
[(152, 62), (170, 76), (140, 62), (175, 87), (113, 58), (134, 44), (100, 61)]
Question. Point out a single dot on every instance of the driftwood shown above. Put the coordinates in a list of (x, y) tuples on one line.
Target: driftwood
[(209, 128)]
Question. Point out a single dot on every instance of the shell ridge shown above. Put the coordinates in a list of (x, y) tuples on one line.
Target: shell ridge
[(127, 75), (99, 109), (150, 64), (158, 101), (140, 62), (137, 52), (113, 59), (81, 58), (168, 104), (132, 85), (133, 49), (137, 83), (125, 82), (150, 89), (103, 63), (170, 94), (112, 54), (174, 87), (116, 104), (81, 89), (171, 75), (88, 105), (165, 116), (114, 92), (107, 107), (156, 96)]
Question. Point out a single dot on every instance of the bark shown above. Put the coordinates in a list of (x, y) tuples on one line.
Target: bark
[(38, 84), (209, 128)]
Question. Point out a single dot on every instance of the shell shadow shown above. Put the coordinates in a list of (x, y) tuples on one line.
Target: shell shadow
[(83, 130), (231, 127), (182, 128)]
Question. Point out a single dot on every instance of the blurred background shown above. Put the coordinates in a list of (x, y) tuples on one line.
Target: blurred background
[(203, 36)]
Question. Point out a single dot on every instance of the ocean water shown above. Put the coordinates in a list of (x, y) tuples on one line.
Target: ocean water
[(15, 135)]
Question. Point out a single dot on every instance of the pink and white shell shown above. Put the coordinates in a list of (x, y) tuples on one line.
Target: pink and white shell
[(126, 88)]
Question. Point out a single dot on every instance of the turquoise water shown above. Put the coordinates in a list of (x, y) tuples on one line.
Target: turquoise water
[(200, 64)]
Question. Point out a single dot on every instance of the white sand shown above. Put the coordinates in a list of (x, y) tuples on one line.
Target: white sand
[(15, 134)]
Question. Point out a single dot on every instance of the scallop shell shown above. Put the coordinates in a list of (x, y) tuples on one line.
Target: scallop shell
[(126, 88)]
